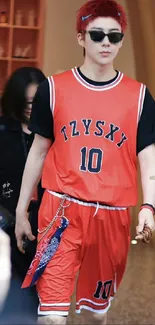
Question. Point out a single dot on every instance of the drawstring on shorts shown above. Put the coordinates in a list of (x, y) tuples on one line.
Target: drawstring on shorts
[(96, 210)]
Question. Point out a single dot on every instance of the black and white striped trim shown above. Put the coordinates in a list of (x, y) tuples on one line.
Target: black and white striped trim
[(53, 312), (141, 101), (97, 88), (92, 309), (52, 93)]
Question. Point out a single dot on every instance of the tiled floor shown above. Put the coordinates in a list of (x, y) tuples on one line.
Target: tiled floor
[(135, 301)]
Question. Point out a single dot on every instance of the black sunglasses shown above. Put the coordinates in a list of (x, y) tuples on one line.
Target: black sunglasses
[(98, 36)]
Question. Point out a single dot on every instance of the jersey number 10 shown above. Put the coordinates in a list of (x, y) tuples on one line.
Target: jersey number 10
[(91, 160)]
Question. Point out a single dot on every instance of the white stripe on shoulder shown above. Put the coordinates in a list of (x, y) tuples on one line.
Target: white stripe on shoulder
[(52, 93), (141, 101)]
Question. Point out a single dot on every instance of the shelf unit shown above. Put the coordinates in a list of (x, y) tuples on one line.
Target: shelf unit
[(21, 35)]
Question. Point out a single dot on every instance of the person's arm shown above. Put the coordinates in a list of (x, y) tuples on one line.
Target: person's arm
[(147, 168), (41, 123), (33, 170), (30, 180), (146, 157)]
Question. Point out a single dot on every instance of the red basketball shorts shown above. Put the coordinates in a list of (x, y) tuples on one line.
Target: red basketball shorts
[(96, 244)]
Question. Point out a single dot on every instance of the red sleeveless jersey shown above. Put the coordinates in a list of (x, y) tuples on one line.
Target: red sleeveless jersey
[(93, 157)]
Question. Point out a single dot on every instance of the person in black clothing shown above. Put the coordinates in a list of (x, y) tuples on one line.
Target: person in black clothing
[(15, 142)]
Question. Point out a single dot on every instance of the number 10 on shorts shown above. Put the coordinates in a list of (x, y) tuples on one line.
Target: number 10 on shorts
[(103, 289), (91, 160)]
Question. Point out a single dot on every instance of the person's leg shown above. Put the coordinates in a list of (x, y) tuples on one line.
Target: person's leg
[(103, 264), (52, 320), (90, 318), (56, 284)]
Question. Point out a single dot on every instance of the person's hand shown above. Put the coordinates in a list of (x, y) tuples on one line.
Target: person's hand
[(5, 266), (146, 225), (23, 229)]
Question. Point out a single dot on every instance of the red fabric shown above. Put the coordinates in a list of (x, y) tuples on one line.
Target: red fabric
[(41, 247), (95, 245), (116, 181)]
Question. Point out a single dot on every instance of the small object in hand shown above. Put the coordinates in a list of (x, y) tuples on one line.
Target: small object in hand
[(25, 243), (147, 235), (29, 246)]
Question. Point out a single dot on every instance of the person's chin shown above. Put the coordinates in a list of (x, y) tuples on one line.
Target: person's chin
[(104, 61)]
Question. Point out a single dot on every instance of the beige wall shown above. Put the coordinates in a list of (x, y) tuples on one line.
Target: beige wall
[(125, 61), (61, 50), (143, 39)]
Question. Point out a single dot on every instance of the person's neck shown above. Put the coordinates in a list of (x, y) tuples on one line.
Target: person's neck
[(25, 128), (98, 73)]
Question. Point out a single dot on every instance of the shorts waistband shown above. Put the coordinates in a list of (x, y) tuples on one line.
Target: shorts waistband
[(84, 203)]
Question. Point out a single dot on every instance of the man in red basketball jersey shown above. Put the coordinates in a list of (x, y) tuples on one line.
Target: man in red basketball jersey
[(91, 124)]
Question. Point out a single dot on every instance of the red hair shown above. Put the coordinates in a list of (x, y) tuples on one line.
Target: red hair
[(100, 8)]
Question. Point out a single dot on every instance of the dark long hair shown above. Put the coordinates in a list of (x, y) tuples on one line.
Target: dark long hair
[(13, 100)]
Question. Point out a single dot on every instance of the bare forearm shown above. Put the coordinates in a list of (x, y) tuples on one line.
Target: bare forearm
[(32, 172), (148, 187), (31, 177), (147, 167)]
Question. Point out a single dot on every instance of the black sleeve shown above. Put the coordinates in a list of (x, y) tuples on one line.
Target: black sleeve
[(41, 120), (146, 126)]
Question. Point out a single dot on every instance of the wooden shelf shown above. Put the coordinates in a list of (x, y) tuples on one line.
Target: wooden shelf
[(4, 58), (22, 38), (23, 60), (26, 27), (3, 73), (5, 25)]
